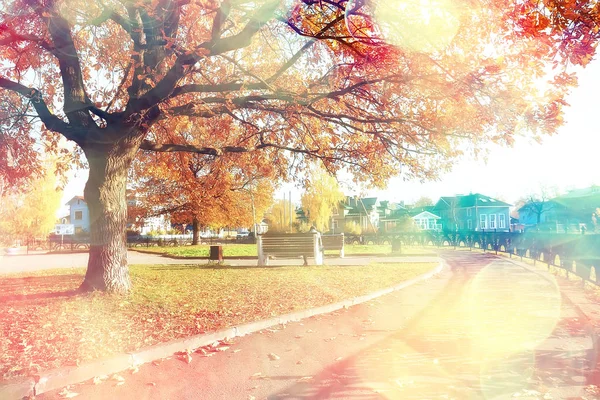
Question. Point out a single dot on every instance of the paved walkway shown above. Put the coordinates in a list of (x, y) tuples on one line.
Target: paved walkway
[(485, 328), (36, 262)]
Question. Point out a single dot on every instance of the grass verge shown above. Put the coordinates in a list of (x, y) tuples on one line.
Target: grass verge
[(249, 250), (45, 323)]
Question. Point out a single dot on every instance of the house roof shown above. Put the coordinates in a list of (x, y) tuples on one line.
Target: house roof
[(470, 200), (368, 202), (580, 199), (532, 205), (360, 206), (75, 198), (593, 190), (426, 214), (418, 210)]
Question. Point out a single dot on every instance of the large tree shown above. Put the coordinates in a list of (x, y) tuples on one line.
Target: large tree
[(296, 80)]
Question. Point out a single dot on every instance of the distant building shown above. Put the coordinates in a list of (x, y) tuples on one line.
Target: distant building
[(427, 221), (145, 225), (565, 213), (473, 212), (79, 215)]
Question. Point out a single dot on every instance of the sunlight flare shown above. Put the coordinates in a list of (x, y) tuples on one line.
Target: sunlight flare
[(516, 319)]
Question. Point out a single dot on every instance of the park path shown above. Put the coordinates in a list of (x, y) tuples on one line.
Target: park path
[(485, 328), (37, 262)]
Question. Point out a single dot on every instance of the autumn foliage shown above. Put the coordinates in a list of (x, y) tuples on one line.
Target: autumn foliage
[(285, 81), (204, 192)]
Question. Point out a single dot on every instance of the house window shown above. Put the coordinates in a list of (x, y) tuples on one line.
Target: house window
[(469, 212), (501, 221), (334, 224), (431, 223), (335, 211), (492, 221), (470, 224), (483, 221), (78, 215)]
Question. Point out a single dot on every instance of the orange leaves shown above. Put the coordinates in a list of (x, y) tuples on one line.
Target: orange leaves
[(308, 83)]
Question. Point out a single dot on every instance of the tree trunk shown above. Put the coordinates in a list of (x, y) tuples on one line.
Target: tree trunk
[(196, 228), (105, 195)]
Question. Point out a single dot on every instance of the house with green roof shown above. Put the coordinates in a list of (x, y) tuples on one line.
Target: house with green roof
[(473, 212), (577, 208)]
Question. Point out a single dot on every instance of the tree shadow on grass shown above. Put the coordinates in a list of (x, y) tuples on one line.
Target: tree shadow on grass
[(23, 289)]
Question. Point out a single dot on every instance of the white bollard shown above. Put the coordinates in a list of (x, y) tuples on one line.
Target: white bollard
[(317, 249), (261, 257)]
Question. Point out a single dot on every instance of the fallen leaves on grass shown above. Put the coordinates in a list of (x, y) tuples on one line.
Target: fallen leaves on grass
[(67, 394), (46, 323)]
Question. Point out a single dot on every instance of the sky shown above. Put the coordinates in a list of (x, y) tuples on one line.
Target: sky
[(568, 160)]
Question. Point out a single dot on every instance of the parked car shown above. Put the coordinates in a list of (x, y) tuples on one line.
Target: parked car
[(242, 235)]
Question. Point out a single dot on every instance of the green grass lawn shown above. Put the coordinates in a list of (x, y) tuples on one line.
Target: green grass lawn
[(237, 250), (46, 323), (229, 250)]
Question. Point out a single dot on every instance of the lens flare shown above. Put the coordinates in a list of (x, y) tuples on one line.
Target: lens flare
[(416, 25), (519, 313)]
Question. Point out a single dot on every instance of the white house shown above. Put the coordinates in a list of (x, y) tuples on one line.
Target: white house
[(427, 221), (146, 225), (156, 224), (79, 214)]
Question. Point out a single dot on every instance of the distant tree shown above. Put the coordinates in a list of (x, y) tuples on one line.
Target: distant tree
[(353, 228), (278, 217), (537, 203), (191, 189), (423, 202), (322, 195), (31, 211)]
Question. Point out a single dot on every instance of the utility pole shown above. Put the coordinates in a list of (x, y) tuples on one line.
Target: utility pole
[(290, 200), (253, 212), (284, 219)]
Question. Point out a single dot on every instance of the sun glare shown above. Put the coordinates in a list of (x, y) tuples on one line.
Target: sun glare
[(416, 25)]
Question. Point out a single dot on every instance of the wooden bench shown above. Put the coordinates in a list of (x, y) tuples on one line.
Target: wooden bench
[(334, 242), (289, 245)]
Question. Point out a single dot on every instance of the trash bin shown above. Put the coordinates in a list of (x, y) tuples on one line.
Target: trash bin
[(216, 254), (396, 246)]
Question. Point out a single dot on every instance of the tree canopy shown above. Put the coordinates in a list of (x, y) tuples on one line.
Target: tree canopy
[(333, 80)]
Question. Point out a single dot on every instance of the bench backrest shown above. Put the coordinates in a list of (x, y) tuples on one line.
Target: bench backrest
[(333, 242), (289, 244)]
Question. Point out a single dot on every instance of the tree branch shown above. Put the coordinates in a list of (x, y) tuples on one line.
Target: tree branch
[(212, 151), (17, 37), (166, 86), (110, 14), (51, 121)]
